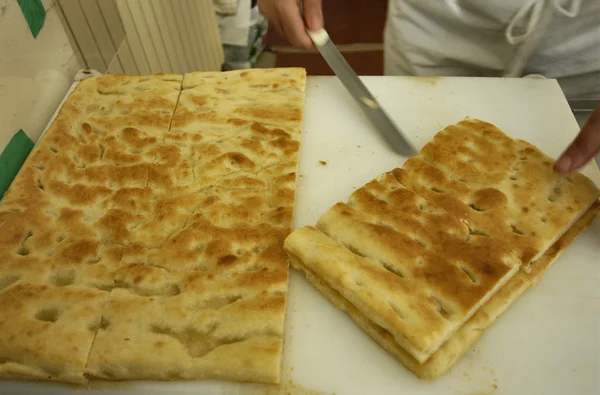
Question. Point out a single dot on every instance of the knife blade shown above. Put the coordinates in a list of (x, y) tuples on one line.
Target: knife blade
[(372, 109)]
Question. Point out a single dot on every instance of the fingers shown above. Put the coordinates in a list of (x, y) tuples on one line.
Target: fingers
[(293, 24), (313, 14), (585, 146), (278, 27), (285, 16)]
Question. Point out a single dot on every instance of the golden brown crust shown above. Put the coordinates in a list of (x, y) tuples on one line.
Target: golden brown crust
[(112, 195), (52, 247), (451, 351), (429, 271), (418, 250), (44, 334), (224, 220), (240, 98), (538, 268), (502, 187), (191, 325), (416, 307)]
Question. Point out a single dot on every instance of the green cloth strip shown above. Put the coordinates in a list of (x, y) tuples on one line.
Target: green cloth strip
[(34, 13), (12, 158)]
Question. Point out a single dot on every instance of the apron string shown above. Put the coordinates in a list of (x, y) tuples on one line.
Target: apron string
[(538, 14)]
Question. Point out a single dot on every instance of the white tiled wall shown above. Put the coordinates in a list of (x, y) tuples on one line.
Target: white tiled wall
[(145, 36), (35, 74)]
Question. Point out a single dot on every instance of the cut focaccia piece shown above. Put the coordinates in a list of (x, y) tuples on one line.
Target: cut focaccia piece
[(46, 331), (193, 325), (240, 123), (49, 314), (504, 188), (64, 217), (104, 132), (113, 103), (241, 97), (238, 139), (407, 265), (451, 351)]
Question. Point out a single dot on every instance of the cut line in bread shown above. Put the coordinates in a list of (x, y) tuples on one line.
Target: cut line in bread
[(421, 248), (462, 341), (148, 220)]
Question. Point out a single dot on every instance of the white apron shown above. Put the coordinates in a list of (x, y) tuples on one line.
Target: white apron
[(555, 38)]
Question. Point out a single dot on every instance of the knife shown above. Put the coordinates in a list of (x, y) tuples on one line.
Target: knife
[(390, 132)]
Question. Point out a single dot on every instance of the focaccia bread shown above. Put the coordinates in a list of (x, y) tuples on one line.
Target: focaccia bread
[(462, 341), (112, 190), (162, 325), (408, 265), (419, 250), (217, 310), (60, 217), (498, 186)]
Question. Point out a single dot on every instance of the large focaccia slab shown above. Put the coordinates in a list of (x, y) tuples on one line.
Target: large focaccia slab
[(409, 266), (162, 325), (420, 249), (213, 305), (61, 221), (498, 186), (141, 242), (462, 341)]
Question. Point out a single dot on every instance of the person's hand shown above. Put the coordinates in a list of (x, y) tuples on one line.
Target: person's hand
[(585, 146), (285, 17)]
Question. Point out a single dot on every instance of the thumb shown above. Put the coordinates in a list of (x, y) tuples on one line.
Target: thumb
[(583, 148), (313, 14)]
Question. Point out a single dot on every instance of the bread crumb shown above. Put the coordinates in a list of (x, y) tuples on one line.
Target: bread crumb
[(322, 162)]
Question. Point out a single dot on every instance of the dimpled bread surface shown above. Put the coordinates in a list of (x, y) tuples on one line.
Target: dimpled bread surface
[(142, 238), (461, 228)]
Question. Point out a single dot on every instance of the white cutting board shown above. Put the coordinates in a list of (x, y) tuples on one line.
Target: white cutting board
[(547, 343)]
